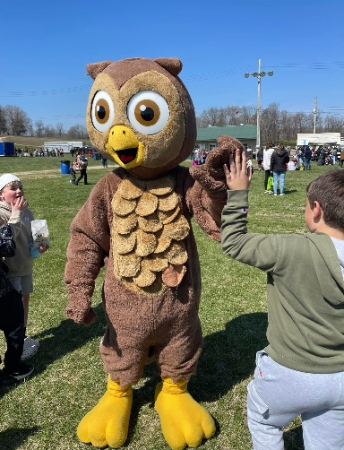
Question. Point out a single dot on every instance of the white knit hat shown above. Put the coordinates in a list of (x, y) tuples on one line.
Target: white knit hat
[(7, 178)]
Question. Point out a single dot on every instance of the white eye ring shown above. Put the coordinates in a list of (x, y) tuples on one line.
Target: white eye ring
[(102, 111), (159, 112)]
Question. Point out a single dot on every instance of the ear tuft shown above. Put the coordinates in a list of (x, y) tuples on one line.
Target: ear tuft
[(94, 69), (173, 65)]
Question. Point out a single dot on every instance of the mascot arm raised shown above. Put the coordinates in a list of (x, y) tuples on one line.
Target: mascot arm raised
[(86, 254), (207, 196)]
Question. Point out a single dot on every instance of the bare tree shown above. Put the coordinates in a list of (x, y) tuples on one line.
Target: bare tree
[(77, 132), (3, 126), (301, 122), (49, 130), (30, 131), (232, 115), (59, 130), (248, 115), (39, 132), (334, 124), (17, 120), (270, 123)]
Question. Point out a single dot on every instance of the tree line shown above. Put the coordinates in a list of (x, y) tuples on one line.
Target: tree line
[(276, 125), (14, 121)]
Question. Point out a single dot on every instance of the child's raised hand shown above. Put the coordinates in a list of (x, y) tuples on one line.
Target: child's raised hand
[(19, 204), (238, 175)]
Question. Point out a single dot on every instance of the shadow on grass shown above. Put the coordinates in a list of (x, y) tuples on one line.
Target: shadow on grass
[(228, 357), (13, 438), (61, 340), (290, 191), (67, 337)]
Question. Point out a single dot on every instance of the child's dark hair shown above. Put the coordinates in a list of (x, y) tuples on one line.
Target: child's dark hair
[(328, 191)]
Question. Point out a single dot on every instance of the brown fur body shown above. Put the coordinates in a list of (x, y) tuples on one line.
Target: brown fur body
[(152, 288)]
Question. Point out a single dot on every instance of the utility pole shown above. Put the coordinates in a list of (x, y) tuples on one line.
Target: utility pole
[(259, 76), (315, 112)]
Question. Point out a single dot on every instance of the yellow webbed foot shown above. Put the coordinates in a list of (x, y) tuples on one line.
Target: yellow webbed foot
[(184, 422), (107, 423)]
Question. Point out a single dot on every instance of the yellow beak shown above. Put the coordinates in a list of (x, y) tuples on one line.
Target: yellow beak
[(124, 147)]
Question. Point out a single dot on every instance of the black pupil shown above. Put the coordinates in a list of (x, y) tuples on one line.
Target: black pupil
[(101, 112), (147, 114)]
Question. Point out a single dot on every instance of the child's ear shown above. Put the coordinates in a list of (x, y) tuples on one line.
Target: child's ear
[(317, 210)]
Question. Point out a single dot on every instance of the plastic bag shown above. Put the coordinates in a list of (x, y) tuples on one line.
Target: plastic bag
[(270, 184), (40, 232)]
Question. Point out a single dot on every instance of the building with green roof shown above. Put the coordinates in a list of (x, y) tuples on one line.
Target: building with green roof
[(207, 136)]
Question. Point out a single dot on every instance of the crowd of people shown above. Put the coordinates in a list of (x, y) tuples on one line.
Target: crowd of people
[(199, 156), (322, 155), (275, 161), (35, 152)]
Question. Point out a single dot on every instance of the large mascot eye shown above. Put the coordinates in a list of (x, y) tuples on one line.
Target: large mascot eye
[(102, 111), (148, 112)]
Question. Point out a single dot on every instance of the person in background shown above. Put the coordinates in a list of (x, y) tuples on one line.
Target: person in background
[(279, 161), (260, 159), (197, 156), (104, 161), (300, 158), (249, 164), (72, 170), (301, 371), (267, 153), (341, 158), (333, 153), (291, 165), (20, 266), (82, 162), (307, 155)]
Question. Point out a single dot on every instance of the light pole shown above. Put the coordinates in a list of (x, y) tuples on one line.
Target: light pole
[(259, 76), (315, 112)]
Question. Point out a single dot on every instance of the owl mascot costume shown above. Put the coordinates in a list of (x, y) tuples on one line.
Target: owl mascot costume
[(137, 222)]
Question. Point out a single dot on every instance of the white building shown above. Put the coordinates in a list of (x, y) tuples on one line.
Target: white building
[(63, 145), (318, 138)]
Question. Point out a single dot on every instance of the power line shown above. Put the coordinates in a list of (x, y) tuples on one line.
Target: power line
[(188, 78)]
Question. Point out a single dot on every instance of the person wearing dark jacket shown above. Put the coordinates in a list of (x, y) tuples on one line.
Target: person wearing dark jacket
[(307, 153), (11, 314), (278, 166)]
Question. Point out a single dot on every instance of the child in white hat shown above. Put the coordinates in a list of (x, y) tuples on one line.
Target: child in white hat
[(20, 266)]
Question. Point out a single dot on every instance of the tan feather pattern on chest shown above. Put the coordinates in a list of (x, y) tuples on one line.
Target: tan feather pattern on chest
[(147, 235)]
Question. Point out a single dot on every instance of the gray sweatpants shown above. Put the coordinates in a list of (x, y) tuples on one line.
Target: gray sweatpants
[(277, 395)]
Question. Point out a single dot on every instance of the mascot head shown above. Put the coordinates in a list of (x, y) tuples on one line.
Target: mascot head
[(140, 115)]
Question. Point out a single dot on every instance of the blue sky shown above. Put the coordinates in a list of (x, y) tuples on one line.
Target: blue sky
[(45, 47)]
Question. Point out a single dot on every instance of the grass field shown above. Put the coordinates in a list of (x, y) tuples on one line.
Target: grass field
[(43, 413)]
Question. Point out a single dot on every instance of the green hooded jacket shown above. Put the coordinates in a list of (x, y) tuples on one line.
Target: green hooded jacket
[(305, 290)]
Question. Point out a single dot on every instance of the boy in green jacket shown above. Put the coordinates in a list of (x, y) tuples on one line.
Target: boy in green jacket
[(301, 371)]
